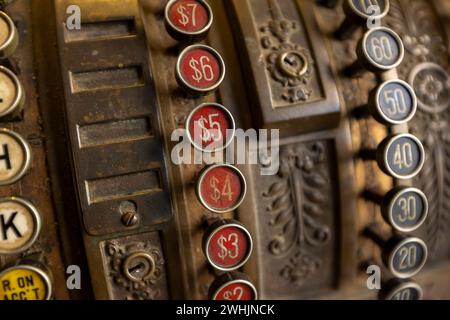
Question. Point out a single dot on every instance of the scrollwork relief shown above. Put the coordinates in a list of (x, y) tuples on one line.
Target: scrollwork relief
[(297, 201), (288, 63)]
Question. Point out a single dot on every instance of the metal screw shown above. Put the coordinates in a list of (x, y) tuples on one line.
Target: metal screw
[(129, 219)]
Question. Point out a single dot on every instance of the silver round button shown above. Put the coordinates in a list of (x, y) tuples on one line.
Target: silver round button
[(15, 157), (20, 224)]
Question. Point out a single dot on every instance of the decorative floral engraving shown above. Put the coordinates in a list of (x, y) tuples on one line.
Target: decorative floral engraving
[(288, 63), (138, 290), (297, 202)]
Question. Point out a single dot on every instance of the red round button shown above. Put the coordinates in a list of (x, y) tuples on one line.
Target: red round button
[(235, 290), (227, 245), (210, 127), (189, 16), (221, 188), (200, 69)]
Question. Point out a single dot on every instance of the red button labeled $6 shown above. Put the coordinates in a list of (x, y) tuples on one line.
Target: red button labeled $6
[(188, 20), (227, 245), (221, 188), (210, 127), (200, 69), (232, 286)]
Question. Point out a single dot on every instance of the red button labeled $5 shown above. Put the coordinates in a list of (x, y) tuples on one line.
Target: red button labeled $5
[(188, 20), (200, 69), (232, 286), (227, 245), (210, 127), (221, 188)]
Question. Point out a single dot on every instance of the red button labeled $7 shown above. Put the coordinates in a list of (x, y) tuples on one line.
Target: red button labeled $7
[(188, 20), (200, 69), (210, 127), (221, 188), (232, 286), (227, 245)]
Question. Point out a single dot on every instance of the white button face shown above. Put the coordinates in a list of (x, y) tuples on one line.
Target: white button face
[(15, 157), (11, 92), (9, 37), (20, 224)]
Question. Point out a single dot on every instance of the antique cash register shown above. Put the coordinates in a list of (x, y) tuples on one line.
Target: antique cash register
[(224, 149)]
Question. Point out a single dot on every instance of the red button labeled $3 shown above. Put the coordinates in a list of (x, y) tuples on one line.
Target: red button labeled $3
[(221, 188), (227, 245), (232, 286), (210, 127), (188, 20), (200, 69)]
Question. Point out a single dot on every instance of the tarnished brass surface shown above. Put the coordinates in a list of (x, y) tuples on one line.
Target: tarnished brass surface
[(102, 102)]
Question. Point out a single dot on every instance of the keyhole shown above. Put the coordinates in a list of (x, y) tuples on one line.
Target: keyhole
[(290, 60), (139, 266), (293, 63)]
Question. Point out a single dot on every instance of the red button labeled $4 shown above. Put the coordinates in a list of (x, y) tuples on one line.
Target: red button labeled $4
[(221, 188), (210, 127), (232, 286), (188, 20), (200, 69), (227, 245)]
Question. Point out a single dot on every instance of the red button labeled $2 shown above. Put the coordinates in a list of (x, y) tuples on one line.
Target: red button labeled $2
[(232, 286), (188, 19), (221, 188), (200, 69), (227, 245), (210, 127)]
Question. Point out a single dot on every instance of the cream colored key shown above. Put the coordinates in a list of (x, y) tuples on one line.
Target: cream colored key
[(15, 157), (12, 96), (20, 224), (9, 37)]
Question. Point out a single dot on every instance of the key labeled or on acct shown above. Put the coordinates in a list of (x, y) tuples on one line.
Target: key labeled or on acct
[(15, 157), (188, 20), (227, 245), (232, 286), (25, 282), (9, 37), (200, 69), (20, 224), (221, 188), (210, 127), (12, 97)]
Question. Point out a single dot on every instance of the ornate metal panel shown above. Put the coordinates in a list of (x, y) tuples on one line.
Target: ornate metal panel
[(287, 62)]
